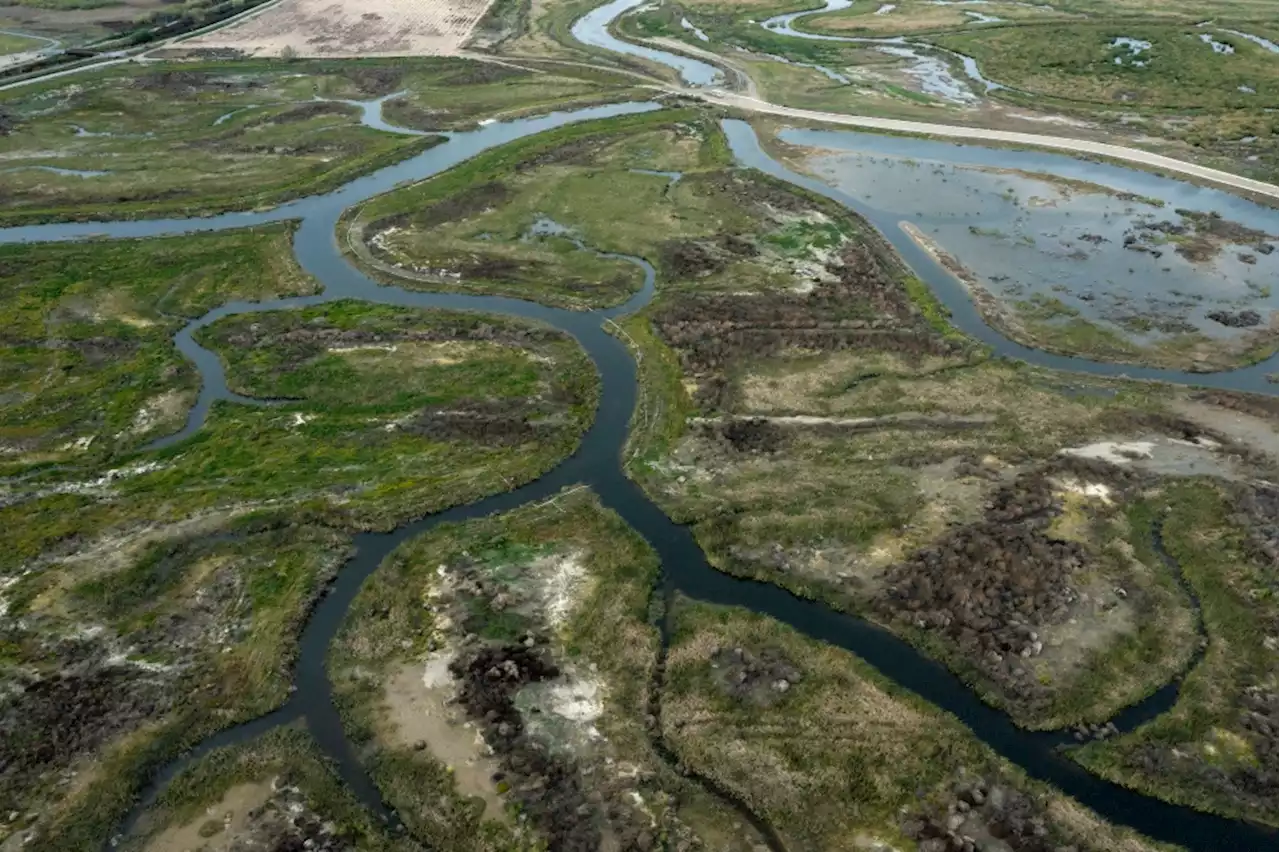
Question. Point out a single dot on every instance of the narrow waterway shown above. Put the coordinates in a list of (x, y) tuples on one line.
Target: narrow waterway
[(593, 29), (934, 75), (597, 463)]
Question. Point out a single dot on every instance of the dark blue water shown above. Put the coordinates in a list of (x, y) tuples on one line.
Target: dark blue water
[(597, 463)]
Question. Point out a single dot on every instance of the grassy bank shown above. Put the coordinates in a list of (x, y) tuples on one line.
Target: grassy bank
[(834, 756), (194, 138), (480, 590), (1212, 750), (155, 599)]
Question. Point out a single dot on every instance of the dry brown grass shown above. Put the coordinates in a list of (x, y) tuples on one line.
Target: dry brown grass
[(821, 762), (818, 385)]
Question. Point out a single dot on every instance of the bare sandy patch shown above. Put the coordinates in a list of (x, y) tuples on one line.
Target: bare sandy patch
[(562, 583), (332, 28), (1253, 432), (419, 717), (1163, 455), (562, 713), (413, 353), (217, 827), (162, 409)]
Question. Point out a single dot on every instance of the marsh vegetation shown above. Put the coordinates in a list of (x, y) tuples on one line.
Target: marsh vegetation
[(159, 597)]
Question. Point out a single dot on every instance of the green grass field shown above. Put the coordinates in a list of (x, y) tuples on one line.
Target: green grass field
[(161, 594), (192, 138), (18, 44)]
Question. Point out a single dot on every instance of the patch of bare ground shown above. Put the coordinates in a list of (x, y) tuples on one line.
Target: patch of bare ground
[(162, 413), (263, 815), (420, 715), (331, 28), (221, 827)]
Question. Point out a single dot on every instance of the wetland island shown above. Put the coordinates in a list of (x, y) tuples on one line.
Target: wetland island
[(488, 425)]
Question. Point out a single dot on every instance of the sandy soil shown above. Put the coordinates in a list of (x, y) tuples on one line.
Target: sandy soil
[(12, 59), (1164, 456), (1253, 432), (334, 28), (230, 813), (417, 714)]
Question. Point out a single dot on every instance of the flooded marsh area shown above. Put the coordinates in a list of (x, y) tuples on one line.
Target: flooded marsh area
[(1086, 258)]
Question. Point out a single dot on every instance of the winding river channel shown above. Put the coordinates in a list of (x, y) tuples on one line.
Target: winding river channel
[(597, 463), (936, 78)]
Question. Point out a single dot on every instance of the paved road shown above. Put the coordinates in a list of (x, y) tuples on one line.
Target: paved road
[(1074, 146)]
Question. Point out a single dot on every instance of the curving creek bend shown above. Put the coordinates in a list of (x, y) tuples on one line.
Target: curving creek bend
[(597, 463)]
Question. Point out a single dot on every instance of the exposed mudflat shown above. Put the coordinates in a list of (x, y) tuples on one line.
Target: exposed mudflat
[(419, 717)]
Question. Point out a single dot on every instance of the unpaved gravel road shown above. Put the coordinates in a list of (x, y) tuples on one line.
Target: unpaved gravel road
[(1008, 137)]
